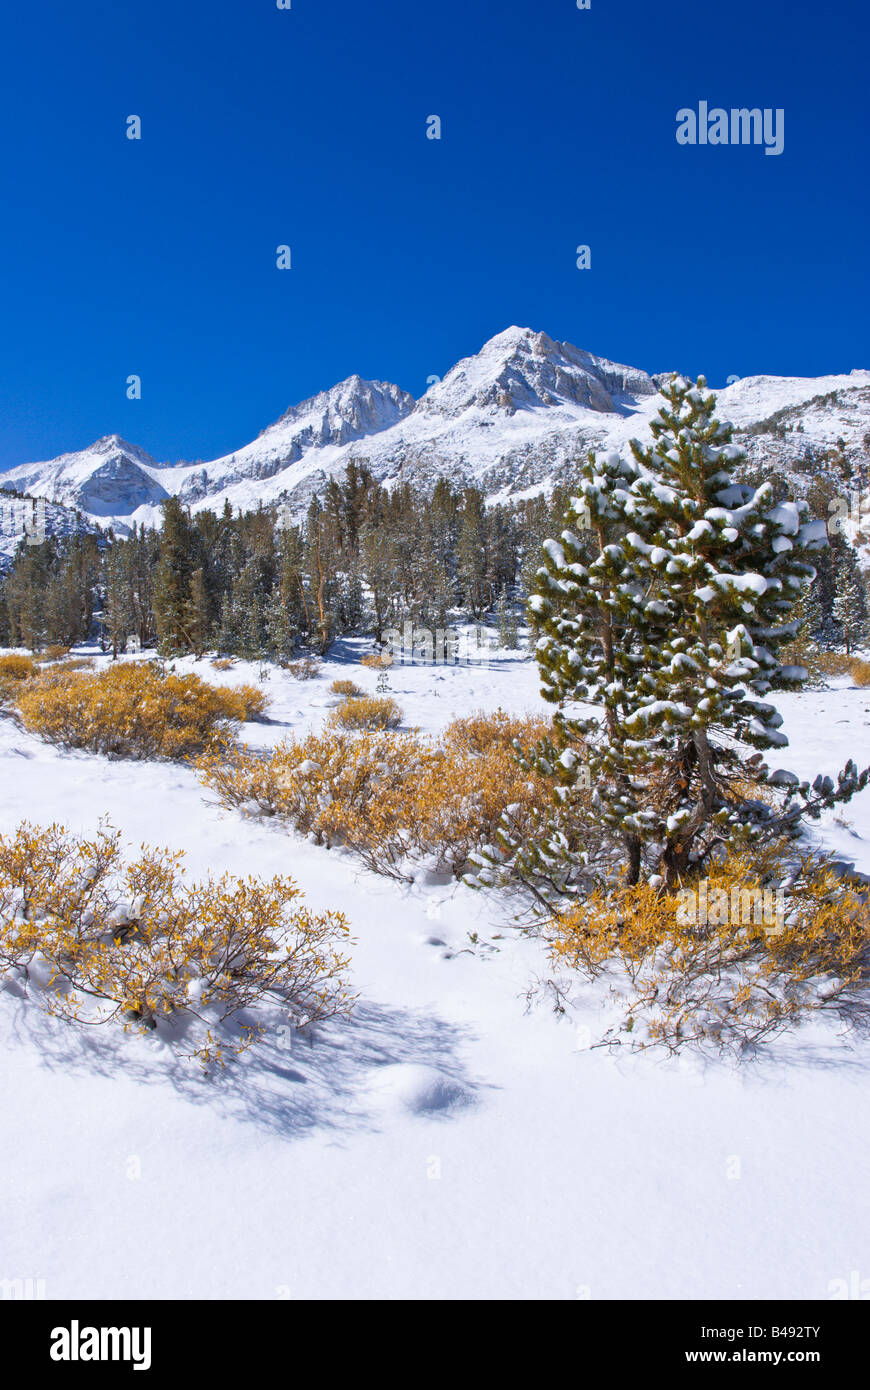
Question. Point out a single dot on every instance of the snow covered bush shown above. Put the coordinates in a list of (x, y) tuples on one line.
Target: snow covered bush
[(393, 799), (471, 787), (338, 788), (483, 730), (833, 663), (368, 712), (754, 949), (98, 940), (133, 710)]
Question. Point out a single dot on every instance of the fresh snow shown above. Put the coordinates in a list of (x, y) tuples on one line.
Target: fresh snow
[(444, 1142)]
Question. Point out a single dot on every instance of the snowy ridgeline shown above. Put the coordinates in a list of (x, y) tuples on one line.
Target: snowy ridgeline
[(512, 420)]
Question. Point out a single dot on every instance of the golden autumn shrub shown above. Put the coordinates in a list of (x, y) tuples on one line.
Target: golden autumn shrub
[(375, 661), (832, 663), (368, 712), (346, 688), (471, 783), (391, 798), (131, 710), (750, 950), (223, 663), (340, 789), (248, 703), (98, 940), (480, 731), (859, 670), (14, 670), (79, 663)]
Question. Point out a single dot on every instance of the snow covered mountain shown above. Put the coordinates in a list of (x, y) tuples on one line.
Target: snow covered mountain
[(511, 419)]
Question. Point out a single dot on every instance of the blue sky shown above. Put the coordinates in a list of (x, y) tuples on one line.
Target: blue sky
[(307, 127)]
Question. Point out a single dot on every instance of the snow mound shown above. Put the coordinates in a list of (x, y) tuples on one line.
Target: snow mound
[(422, 1090)]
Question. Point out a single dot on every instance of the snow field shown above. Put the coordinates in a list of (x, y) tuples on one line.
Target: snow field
[(444, 1142)]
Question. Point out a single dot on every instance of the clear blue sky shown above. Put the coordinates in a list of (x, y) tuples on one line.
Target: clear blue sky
[(308, 127)]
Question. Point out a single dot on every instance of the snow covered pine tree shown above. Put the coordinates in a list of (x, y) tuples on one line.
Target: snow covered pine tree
[(663, 606)]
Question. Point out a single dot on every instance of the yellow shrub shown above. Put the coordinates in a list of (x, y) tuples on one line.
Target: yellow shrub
[(247, 702), (375, 660), (17, 666), (14, 670), (368, 712), (460, 798), (832, 663), (340, 789), (478, 732), (387, 796), (348, 688), (223, 663), (129, 710), (79, 663), (718, 962), (136, 943), (859, 671)]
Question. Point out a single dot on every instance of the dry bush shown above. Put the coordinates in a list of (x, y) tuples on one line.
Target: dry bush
[(816, 661), (223, 663), (17, 666), (729, 984), (15, 669), (480, 731), (338, 788), (131, 710), (474, 782), (348, 688), (374, 661), (461, 798), (248, 702), (304, 670), (859, 670), (368, 712), (99, 941), (56, 652), (832, 663), (389, 797)]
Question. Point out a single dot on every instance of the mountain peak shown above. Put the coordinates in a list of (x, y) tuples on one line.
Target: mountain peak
[(350, 409), (116, 444), (524, 369)]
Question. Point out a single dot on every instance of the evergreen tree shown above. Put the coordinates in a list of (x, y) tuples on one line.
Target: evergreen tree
[(471, 555), (672, 631), (849, 607), (172, 579)]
